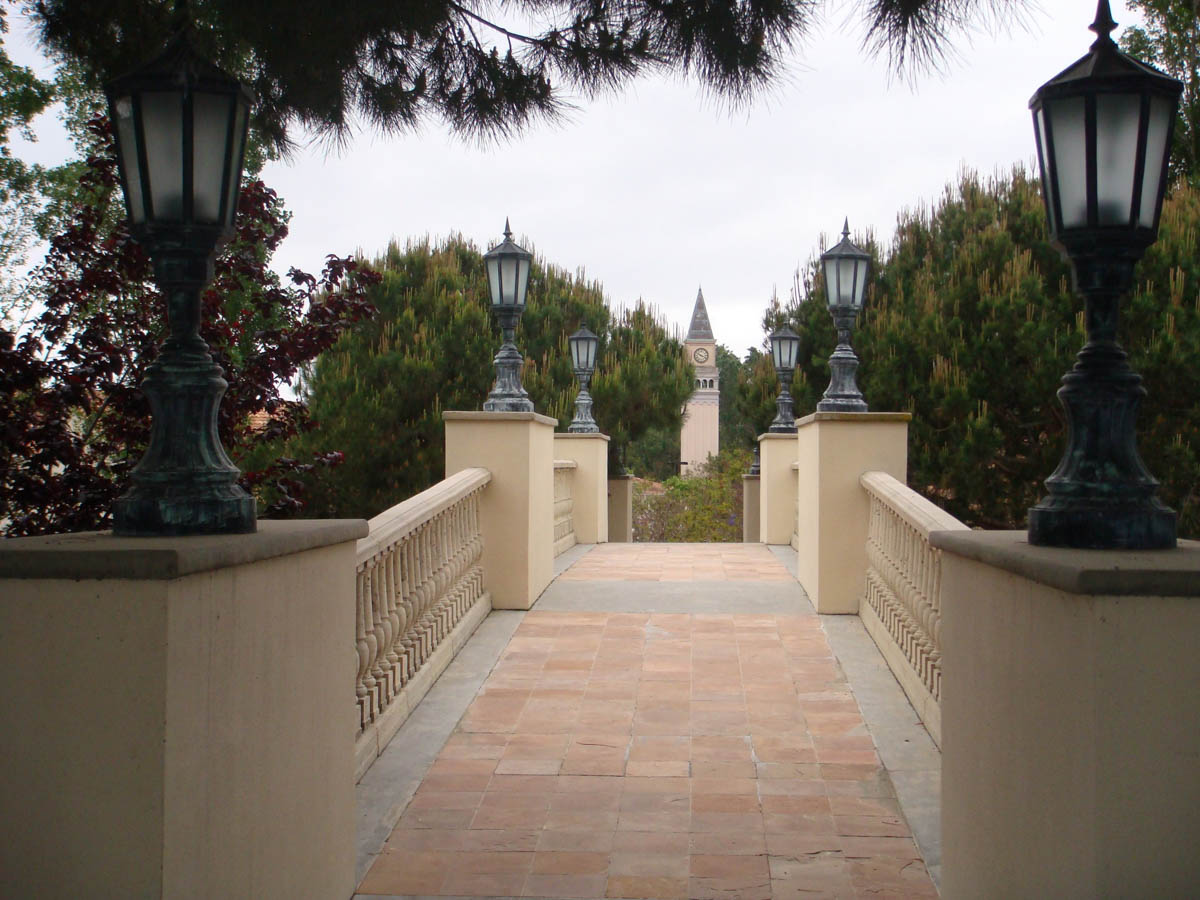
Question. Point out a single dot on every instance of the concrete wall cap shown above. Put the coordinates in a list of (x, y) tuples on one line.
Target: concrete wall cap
[(100, 555), (751, 477), (776, 436), (1144, 573), (576, 436), (452, 415), (854, 417)]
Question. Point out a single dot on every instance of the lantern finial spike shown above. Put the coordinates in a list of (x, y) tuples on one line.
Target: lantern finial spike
[(507, 230), (846, 228), (1103, 25)]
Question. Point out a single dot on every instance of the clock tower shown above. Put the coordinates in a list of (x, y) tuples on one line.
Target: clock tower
[(701, 419)]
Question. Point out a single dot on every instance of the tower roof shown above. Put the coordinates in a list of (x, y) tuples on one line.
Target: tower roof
[(700, 329)]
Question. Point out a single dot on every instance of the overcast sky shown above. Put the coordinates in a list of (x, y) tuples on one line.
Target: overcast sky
[(658, 191)]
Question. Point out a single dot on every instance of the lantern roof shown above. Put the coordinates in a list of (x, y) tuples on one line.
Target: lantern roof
[(1106, 63), (585, 332), (845, 247), (700, 329), (179, 66), (508, 246)]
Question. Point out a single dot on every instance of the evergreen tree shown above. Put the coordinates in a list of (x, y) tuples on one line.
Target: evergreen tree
[(482, 68), (381, 391), (1170, 40), (970, 323)]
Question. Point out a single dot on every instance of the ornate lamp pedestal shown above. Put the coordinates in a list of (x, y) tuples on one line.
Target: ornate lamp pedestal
[(583, 423), (785, 421), (842, 394), (508, 395), (185, 483), (1101, 495)]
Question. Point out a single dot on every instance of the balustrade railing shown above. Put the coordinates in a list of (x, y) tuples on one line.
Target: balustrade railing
[(901, 607), (419, 572), (564, 505)]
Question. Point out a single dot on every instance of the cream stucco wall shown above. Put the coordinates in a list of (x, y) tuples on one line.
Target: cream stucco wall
[(590, 453), (620, 509), (834, 450), (1070, 721), (701, 429), (777, 487), (185, 731), (517, 507), (750, 509)]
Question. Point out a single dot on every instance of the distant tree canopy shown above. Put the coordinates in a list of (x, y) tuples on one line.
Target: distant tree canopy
[(483, 68), (381, 390), (970, 323), (1169, 38)]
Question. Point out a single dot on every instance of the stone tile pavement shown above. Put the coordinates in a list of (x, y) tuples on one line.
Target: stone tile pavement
[(644, 754)]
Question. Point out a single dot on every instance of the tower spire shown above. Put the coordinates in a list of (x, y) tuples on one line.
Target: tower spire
[(700, 328)]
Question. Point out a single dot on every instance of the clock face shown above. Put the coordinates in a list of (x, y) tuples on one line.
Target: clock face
[(701, 355)]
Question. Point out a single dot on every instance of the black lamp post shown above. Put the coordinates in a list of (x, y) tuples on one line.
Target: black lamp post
[(181, 134), (1103, 130), (583, 354), (785, 346), (508, 276), (845, 267)]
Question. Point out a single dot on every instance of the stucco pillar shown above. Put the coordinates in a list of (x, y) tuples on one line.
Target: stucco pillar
[(1070, 719), (777, 488), (620, 509), (178, 714), (750, 508), (590, 513), (517, 507), (834, 450)]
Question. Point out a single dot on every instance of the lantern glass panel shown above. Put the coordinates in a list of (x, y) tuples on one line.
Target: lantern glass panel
[(1069, 165), (832, 295), (493, 273), (127, 136), (1039, 126), (242, 115), (509, 268), (1117, 119), (1161, 113), (847, 288), (162, 124), (522, 269), (210, 129)]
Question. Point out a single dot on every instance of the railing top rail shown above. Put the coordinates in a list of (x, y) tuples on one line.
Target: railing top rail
[(566, 464), (407, 516), (909, 505)]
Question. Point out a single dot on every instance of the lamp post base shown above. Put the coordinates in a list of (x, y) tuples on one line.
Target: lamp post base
[(1102, 526), (185, 484), (507, 394), (842, 394)]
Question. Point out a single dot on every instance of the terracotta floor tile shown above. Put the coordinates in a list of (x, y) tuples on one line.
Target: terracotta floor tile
[(566, 862), (483, 885), (406, 872), (871, 826), (665, 865), (729, 842), (653, 768), (498, 840), (717, 769), (576, 841), (793, 844), (653, 784), (510, 819), (643, 755), (882, 876), (673, 843), (565, 887), (436, 818), (726, 822), (895, 847), (660, 748), (430, 800), (649, 888), (522, 783)]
